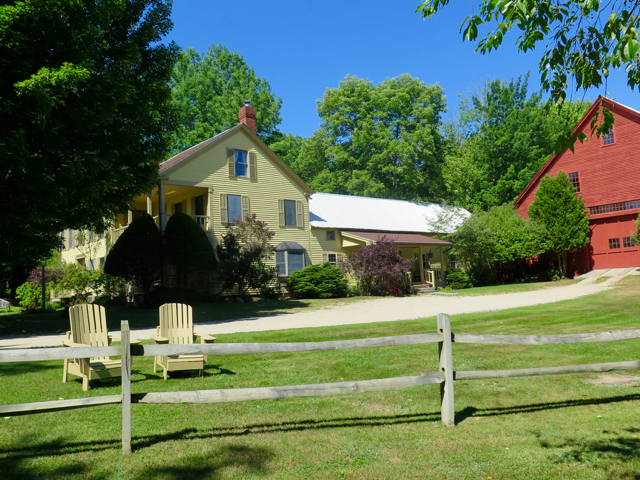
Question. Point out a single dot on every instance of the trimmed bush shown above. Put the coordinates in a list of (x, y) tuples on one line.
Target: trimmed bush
[(318, 281), (187, 247), (137, 255), (459, 279)]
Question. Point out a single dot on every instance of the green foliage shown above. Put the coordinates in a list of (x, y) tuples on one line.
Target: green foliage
[(458, 279), (490, 243), (501, 139), (318, 281), (243, 254), (636, 235), (137, 255), (564, 216), (85, 99), (208, 89), (377, 140), (30, 295), (187, 247), (582, 41)]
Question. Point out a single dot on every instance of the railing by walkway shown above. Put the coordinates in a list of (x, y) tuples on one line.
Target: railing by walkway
[(445, 377)]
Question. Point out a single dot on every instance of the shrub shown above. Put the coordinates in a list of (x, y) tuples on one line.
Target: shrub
[(243, 254), (30, 295), (378, 267), (318, 281), (187, 247), (459, 279), (137, 255)]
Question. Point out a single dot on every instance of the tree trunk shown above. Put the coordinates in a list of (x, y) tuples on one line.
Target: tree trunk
[(562, 263)]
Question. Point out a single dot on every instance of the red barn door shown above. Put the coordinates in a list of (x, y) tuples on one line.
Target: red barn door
[(610, 242)]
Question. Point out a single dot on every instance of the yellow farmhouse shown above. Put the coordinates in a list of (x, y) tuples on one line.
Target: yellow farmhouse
[(234, 173)]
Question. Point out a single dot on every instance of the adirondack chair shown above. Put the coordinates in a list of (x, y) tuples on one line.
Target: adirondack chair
[(89, 329), (176, 327)]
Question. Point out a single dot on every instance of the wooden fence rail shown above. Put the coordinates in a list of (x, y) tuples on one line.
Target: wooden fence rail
[(445, 377)]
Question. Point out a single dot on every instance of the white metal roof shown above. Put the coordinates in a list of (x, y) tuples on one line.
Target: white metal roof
[(328, 210)]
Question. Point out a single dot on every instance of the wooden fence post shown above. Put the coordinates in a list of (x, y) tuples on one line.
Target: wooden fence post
[(126, 387), (446, 366)]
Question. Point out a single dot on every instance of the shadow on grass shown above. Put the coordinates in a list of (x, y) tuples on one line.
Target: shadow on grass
[(469, 412), (615, 448), (27, 448), (249, 461), (26, 368)]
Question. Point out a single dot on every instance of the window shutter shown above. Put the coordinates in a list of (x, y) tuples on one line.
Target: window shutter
[(252, 165), (299, 214), (245, 207), (281, 212), (224, 213), (193, 206), (232, 162), (325, 258)]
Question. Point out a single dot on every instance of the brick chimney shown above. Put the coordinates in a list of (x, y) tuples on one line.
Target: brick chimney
[(247, 115)]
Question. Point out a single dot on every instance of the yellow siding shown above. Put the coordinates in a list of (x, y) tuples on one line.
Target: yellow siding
[(320, 244), (271, 184), (85, 252)]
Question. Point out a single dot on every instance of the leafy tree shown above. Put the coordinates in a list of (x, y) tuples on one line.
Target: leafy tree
[(501, 140), (378, 266), (318, 281), (377, 140), (137, 254), (243, 255), (85, 115), (187, 247), (564, 216), (491, 243), (458, 279), (209, 88), (636, 235), (583, 41)]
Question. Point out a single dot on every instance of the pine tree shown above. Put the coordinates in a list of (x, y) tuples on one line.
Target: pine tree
[(563, 215)]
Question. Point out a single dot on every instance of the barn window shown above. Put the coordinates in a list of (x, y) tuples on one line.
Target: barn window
[(575, 181), (614, 243), (627, 242), (608, 139)]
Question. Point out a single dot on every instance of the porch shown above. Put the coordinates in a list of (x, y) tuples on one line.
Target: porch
[(429, 254)]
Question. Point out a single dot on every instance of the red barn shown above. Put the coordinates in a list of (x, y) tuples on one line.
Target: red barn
[(606, 172)]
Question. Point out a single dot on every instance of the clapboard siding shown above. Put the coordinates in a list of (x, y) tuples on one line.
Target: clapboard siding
[(271, 183)]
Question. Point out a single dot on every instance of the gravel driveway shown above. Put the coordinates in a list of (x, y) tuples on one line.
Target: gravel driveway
[(385, 309)]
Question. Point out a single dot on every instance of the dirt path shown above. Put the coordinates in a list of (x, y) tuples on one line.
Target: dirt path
[(386, 309)]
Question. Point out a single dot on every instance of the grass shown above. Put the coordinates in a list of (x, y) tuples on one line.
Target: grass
[(515, 287), (536, 427)]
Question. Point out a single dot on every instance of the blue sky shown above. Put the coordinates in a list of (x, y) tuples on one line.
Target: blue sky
[(302, 48)]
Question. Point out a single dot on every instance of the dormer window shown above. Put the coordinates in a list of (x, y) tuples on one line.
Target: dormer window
[(608, 139)]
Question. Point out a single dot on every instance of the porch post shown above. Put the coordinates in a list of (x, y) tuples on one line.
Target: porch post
[(161, 212), (442, 266), (149, 204)]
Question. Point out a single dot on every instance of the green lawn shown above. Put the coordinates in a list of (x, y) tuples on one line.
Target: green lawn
[(536, 427), (515, 287)]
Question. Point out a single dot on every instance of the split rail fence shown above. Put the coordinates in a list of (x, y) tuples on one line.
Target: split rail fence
[(445, 377)]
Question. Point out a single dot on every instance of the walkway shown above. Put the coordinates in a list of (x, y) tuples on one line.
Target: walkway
[(385, 309)]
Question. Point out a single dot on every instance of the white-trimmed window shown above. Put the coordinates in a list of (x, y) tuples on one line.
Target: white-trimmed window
[(233, 207), (608, 138), (290, 213), (334, 259), (289, 258), (241, 163), (331, 235)]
